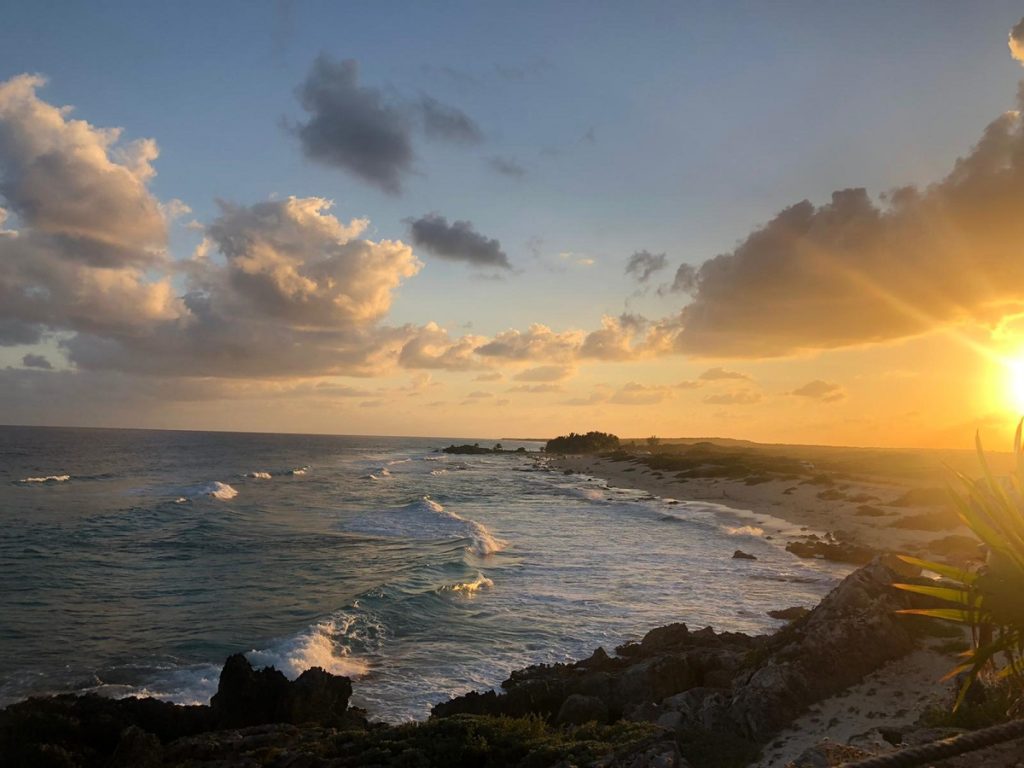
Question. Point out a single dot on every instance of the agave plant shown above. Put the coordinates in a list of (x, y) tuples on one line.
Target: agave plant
[(989, 599)]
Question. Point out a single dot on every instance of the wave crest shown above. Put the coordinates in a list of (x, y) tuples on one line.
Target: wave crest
[(470, 588), (318, 646), (46, 479), (216, 490)]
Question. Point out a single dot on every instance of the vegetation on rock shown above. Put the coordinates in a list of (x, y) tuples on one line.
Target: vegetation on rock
[(591, 442)]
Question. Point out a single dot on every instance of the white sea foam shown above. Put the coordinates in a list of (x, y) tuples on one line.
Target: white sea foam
[(298, 471), (318, 646), (182, 500), (744, 530), (438, 472), (215, 490), (259, 475), (470, 588), (46, 479)]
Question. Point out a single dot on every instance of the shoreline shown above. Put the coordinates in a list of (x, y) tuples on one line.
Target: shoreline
[(857, 511)]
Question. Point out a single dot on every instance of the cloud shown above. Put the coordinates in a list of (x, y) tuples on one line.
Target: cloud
[(685, 281), (599, 394), (536, 389), (506, 167), (634, 393), (88, 229), (489, 376), (295, 292), (479, 395), (627, 337), (721, 374), (820, 390), (1016, 41), (36, 361), (736, 397), (457, 241), (432, 347), (642, 264), (858, 270), (350, 126), (546, 373), (538, 343), (447, 123)]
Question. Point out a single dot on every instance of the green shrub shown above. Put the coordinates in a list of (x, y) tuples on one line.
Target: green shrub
[(988, 599)]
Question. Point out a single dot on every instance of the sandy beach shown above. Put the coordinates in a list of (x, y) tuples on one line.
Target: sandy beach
[(855, 510)]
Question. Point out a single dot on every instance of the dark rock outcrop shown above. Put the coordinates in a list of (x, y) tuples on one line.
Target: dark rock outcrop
[(720, 682), (247, 696), (836, 551), (739, 554), (93, 730), (790, 614)]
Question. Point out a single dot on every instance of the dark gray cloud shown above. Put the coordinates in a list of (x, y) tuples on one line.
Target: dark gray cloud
[(36, 361), (685, 281), (506, 167), (643, 264), (356, 128), (447, 123), (350, 126), (457, 241)]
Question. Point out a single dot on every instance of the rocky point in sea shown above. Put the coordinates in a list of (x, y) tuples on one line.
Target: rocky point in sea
[(678, 697)]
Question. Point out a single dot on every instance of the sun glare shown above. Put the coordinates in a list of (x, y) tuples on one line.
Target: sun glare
[(1015, 384)]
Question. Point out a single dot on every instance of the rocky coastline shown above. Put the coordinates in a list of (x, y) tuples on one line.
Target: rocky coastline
[(678, 697)]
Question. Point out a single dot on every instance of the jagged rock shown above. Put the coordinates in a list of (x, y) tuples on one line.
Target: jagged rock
[(836, 551), (247, 696), (668, 660), (790, 614), (739, 554), (578, 709), (318, 696), (852, 632), (137, 749)]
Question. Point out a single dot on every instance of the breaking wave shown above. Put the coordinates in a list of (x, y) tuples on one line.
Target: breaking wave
[(321, 645), (426, 519), (744, 530), (46, 479), (259, 475), (215, 490), (469, 588)]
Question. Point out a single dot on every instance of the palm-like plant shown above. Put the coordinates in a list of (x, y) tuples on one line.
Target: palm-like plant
[(990, 599)]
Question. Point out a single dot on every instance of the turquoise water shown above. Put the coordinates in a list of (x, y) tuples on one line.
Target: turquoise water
[(136, 561)]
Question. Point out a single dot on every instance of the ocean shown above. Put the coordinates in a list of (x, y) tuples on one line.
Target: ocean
[(133, 562)]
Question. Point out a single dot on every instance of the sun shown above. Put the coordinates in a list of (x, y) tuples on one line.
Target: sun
[(1014, 394)]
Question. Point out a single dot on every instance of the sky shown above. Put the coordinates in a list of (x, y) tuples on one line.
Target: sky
[(787, 222)]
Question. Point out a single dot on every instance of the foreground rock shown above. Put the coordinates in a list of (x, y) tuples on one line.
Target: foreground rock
[(710, 697), (92, 730), (742, 688)]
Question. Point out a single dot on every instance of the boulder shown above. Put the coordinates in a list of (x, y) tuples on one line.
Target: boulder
[(578, 709), (739, 554)]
